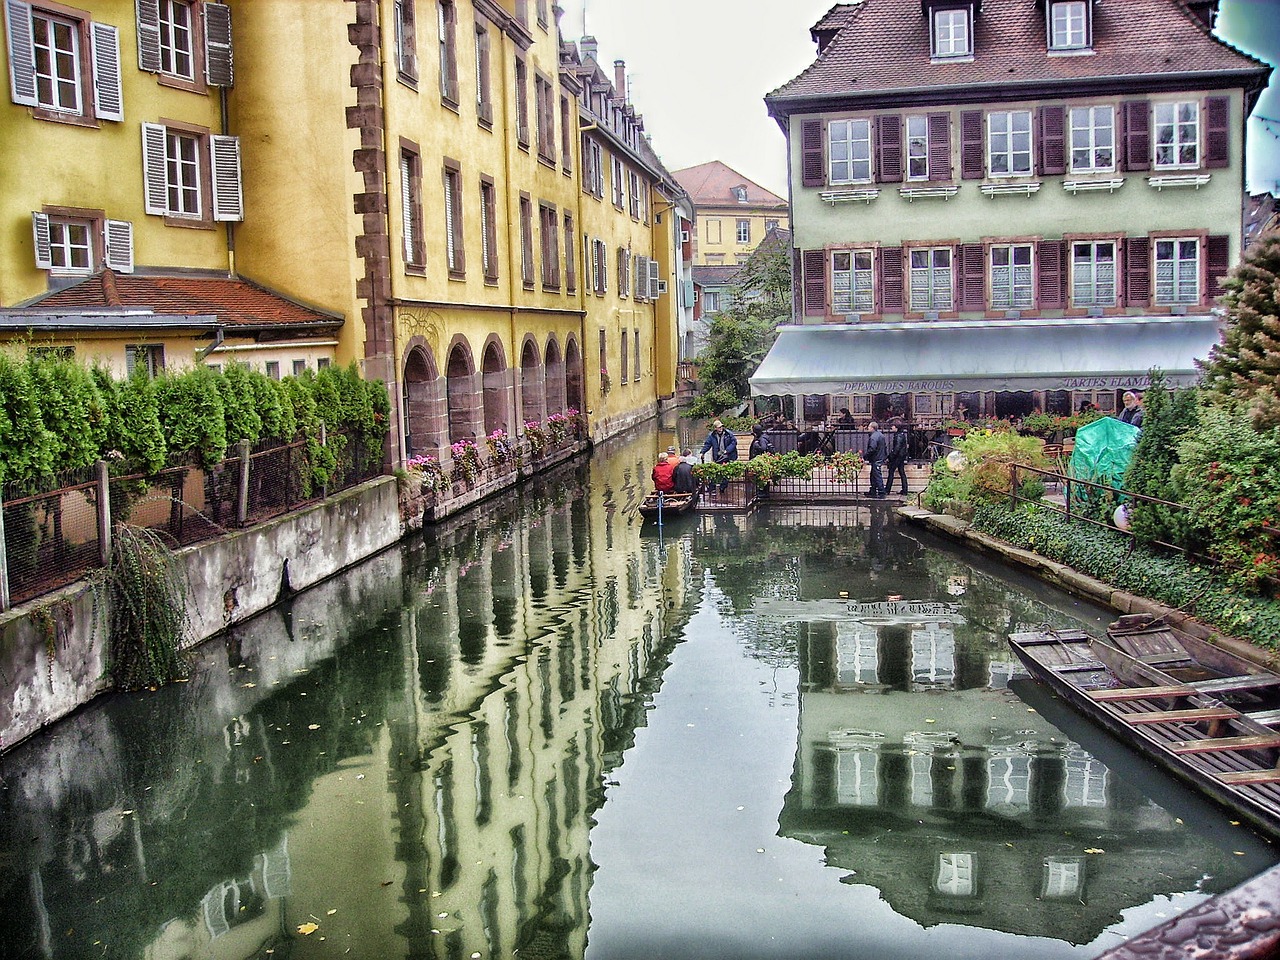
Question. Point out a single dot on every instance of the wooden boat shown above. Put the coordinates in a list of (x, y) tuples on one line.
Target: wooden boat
[(1186, 727), (673, 504)]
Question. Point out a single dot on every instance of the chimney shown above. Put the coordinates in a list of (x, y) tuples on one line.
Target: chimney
[(620, 79), (589, 47)]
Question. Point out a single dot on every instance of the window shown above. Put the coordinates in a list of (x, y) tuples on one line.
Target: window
[(1068, 25), (184, 168), (74, 242), (55, 42), (637, 201), (66, 68), (713, 231), (1177, 134), (147, 356), (931, 279), (740, 194), (624, 273), (625, 357), (455, 254), (447, 15), (618, 184), (918, 148), (522, 103), (484, 83), (1092, 139), (852, 289), (849, 150), (1178, 271), (273, 369), (406, 40), (1011, 277), (770, 225), (1009, 142), (600, 267), (567, 127), (322, 363), (544, 95), (526, 241), (570, 256), (710, 301), (604, 359), (593, 168), (635, 344), (744, 231), (1093, 274), (542, 13), (177, 56), (549, 235), (411, 208), (299, 367), (488, 230), (951, 33)]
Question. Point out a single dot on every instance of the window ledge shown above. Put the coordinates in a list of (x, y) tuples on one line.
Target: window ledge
[(865, 194), (1010, 189), (1196, 180), (928, 193), (1083, 186), (1071, 51)]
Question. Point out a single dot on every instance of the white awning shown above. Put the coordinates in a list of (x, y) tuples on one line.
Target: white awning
[(1077, 353)]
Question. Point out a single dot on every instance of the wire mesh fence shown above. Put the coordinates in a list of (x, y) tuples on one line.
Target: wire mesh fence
[(55, 536)]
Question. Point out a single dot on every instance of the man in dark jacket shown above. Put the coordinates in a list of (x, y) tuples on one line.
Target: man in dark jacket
[(685, 482), (877, 453), (722, 445), (899, 444)]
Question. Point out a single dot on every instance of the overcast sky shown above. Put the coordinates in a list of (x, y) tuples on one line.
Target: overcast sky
[(699, 70)]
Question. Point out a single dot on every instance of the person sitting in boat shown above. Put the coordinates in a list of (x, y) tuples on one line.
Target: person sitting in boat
[(685, 481), (664, 480)]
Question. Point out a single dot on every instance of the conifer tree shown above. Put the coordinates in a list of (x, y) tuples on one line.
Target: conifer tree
[(1245, 366)]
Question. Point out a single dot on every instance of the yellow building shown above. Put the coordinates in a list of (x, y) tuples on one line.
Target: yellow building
[(731, 213), (118, 237)]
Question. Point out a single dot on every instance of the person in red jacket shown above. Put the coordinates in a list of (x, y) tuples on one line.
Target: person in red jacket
[(664, 475)]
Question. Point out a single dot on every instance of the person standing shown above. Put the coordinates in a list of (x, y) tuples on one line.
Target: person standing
[(760, 444), (877, 453), (1132, 412), (899, 443), (723, 447)]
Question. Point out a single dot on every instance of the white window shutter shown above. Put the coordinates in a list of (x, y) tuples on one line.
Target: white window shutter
[(228, 201), (653, 280), (108, 95), (155, 182), (22, 62), (40, 227), (218, 61), (119, 234), (148, 14)]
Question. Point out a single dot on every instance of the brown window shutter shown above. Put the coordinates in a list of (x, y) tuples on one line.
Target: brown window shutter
[(890, 279), (939, 146), (815, 283), (1053, 140), (889, 147), (1217, 132), (1137, 134), (973, 285), (813, 171), (1217, 264), (972, 163), (1051, 279), (1137, 271)]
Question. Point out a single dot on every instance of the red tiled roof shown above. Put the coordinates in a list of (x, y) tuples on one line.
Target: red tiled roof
[(835, 18), (883, 46), (233, 301), (712, 183)]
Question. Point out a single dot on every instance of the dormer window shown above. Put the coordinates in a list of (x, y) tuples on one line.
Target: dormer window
[(952, 31), (740, 194), (1069, 27)]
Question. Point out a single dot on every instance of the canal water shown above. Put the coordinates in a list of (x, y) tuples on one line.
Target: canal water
[(544, 731)]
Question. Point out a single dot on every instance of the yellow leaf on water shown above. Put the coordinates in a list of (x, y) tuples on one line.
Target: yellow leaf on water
[(1095, 850), (308, 928), (313, 726)]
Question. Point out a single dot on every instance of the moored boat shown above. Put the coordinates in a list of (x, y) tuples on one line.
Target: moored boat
[(670, 504), (1185, 726)]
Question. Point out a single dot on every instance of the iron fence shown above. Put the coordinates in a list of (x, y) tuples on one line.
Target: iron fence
[(54, 537)]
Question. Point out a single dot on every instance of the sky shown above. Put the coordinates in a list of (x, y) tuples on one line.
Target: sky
[(699, 70)]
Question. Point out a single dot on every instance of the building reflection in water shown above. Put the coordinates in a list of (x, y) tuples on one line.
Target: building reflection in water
[(409, 756)]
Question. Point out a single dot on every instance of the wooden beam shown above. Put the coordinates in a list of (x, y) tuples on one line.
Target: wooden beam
[(1140, 693), (1249, 681), (1249, 776), (1175, 716), (1257, 742)]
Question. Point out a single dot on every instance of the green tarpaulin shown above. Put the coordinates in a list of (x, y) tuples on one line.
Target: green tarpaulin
[(1103, 451)]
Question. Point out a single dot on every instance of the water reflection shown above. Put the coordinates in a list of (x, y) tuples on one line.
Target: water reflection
[(420, 758)]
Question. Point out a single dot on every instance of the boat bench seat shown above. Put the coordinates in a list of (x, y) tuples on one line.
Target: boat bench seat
[(1174, 716), (1255, 742), (1140, 693), (1265, 717), (1248, 681), (1249, 776)]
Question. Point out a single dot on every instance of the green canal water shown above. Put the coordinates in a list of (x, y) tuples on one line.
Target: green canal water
[(545, 731)]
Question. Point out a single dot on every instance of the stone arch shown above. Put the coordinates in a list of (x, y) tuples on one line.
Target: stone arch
[(532, 386), (496, 382), (554, 367), (463, 390), (425, 411), (573, 391)]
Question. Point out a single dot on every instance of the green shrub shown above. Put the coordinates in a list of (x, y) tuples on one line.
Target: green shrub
[(989, 455), (26, 445), (133, 422), (240, 403), (192, 415), (1167, 417), (72, 408)]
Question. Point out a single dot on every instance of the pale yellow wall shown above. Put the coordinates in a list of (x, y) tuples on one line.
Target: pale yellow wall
[(717, 232), (51, 163)]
